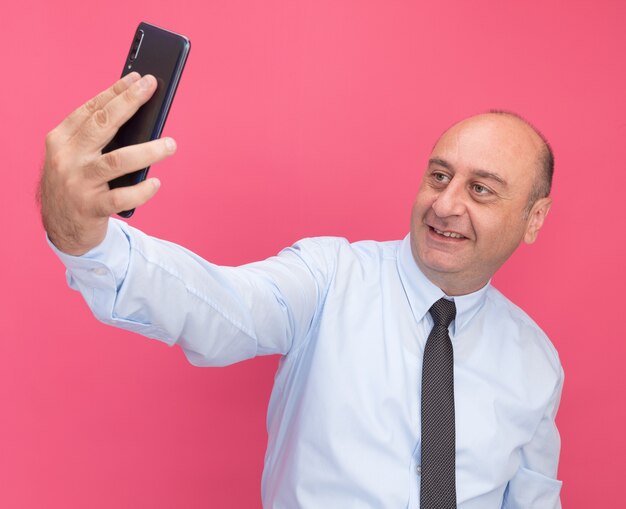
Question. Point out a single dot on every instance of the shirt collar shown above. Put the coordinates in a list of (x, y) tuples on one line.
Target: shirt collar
[(422, 293)]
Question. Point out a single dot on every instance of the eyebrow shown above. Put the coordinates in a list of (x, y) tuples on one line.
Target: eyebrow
[(476, 171)]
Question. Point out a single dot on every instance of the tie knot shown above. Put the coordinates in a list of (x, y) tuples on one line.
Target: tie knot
[(443, 312)]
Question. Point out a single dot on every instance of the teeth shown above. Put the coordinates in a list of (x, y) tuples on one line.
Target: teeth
[(449, 234)]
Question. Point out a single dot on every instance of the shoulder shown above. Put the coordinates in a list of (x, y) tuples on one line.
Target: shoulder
[(341, 248), (531, 342), (329, 258)]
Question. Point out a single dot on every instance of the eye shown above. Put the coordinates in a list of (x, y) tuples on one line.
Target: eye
[(440, 177), (481, 190)]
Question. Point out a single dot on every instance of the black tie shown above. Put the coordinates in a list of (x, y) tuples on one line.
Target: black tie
[(438, 490)]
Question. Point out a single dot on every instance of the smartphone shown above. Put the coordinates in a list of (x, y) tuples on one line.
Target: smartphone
[(163, 54)]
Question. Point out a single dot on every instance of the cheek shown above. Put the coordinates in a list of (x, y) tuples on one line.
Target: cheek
[(422, 203), (497, 233), (417, 215)]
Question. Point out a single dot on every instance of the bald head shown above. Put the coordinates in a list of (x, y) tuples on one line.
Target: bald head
[(542, 162), (545, 161)]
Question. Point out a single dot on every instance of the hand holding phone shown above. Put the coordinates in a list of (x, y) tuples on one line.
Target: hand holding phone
[(75, 196), (74, 193), (162, 54)]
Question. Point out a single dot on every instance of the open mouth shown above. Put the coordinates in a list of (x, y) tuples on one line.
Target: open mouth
[(447, 234)]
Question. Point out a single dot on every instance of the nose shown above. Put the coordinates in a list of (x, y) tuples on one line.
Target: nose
[(450, 201)]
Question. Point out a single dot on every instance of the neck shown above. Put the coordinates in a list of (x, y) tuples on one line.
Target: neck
[(451, 283), (453, 290)]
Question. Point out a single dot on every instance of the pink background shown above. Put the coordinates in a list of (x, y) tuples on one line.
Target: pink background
[(296, 118)]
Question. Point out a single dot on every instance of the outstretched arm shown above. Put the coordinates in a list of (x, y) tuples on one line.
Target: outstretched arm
[(217, 315)]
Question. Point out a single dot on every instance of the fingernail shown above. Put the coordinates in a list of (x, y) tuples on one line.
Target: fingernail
[(156, 183), (170, 144)]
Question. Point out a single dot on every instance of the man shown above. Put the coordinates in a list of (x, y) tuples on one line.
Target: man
[(352, 420)]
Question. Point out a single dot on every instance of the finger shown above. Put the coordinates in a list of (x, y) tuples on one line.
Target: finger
[(74, 120), (134, 157), (127, 198), (102, 125)]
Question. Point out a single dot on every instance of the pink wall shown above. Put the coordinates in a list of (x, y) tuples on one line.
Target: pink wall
[(296, 118)]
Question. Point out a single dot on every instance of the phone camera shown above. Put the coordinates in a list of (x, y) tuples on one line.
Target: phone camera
[(134, 50)]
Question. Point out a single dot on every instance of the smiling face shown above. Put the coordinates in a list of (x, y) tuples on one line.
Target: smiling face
[(470, 212)]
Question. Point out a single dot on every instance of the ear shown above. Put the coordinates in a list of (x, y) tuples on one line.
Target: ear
[(536, 218)]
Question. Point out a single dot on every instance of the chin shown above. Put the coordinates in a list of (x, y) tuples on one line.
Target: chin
[(438, 262)]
